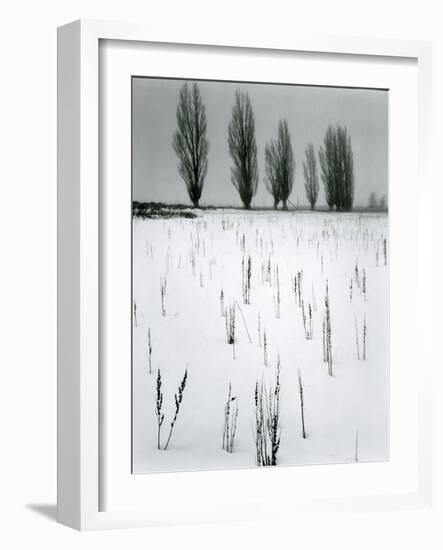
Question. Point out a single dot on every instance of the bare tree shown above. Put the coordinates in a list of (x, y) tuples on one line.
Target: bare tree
[(189, 141), (346, 174), (287, 162), (327, 156), (271, 169), (383, 203), (337, 165), (372, 201), (311, 175), (280, 165), (243, 148)]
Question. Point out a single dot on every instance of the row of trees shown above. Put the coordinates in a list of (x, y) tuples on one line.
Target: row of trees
[(191, 146)]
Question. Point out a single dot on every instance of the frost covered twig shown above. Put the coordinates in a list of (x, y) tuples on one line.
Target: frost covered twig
[(178, 399), (163, 287), (149, 351), (244, 321), (158, 407), (246, 280), (356, 447), (230, 327), (267, 421), (327, 333), (230, 426), (302, 407)]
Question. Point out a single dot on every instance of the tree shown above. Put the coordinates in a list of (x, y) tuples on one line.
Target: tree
[(311, 175), (383, 203), (189, 141), (287, 162), (327, 158), (337, 166), (346, 169), (271, 170), (372, 201), (243, 148), (280, 165)]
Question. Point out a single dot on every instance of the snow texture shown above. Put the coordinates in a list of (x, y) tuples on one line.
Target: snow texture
[(198, 258)]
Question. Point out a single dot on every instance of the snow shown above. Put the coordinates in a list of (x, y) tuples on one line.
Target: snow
[(192, 335)]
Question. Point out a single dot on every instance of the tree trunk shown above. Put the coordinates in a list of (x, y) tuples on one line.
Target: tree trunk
[(195, 203), (312, 207), (247, 206), (275, 204), (285, 205)]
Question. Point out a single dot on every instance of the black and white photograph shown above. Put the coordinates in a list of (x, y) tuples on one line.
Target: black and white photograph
[(222, 283), (260, 275)]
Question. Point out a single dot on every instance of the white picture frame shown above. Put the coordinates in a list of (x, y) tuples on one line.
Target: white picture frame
[(79, 293)]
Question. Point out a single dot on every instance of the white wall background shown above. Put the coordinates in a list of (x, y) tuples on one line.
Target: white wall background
[(28, 266)]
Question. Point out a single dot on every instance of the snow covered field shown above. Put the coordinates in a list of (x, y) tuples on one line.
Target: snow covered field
[(346, 414)]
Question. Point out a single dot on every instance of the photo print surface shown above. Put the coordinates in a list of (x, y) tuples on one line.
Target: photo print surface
[(260, 275)]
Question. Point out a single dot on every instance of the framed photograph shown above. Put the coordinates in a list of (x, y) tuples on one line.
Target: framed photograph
[(268, 276), (233, 223)]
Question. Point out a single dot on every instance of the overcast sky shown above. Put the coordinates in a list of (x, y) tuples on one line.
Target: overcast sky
[(308, 111)]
